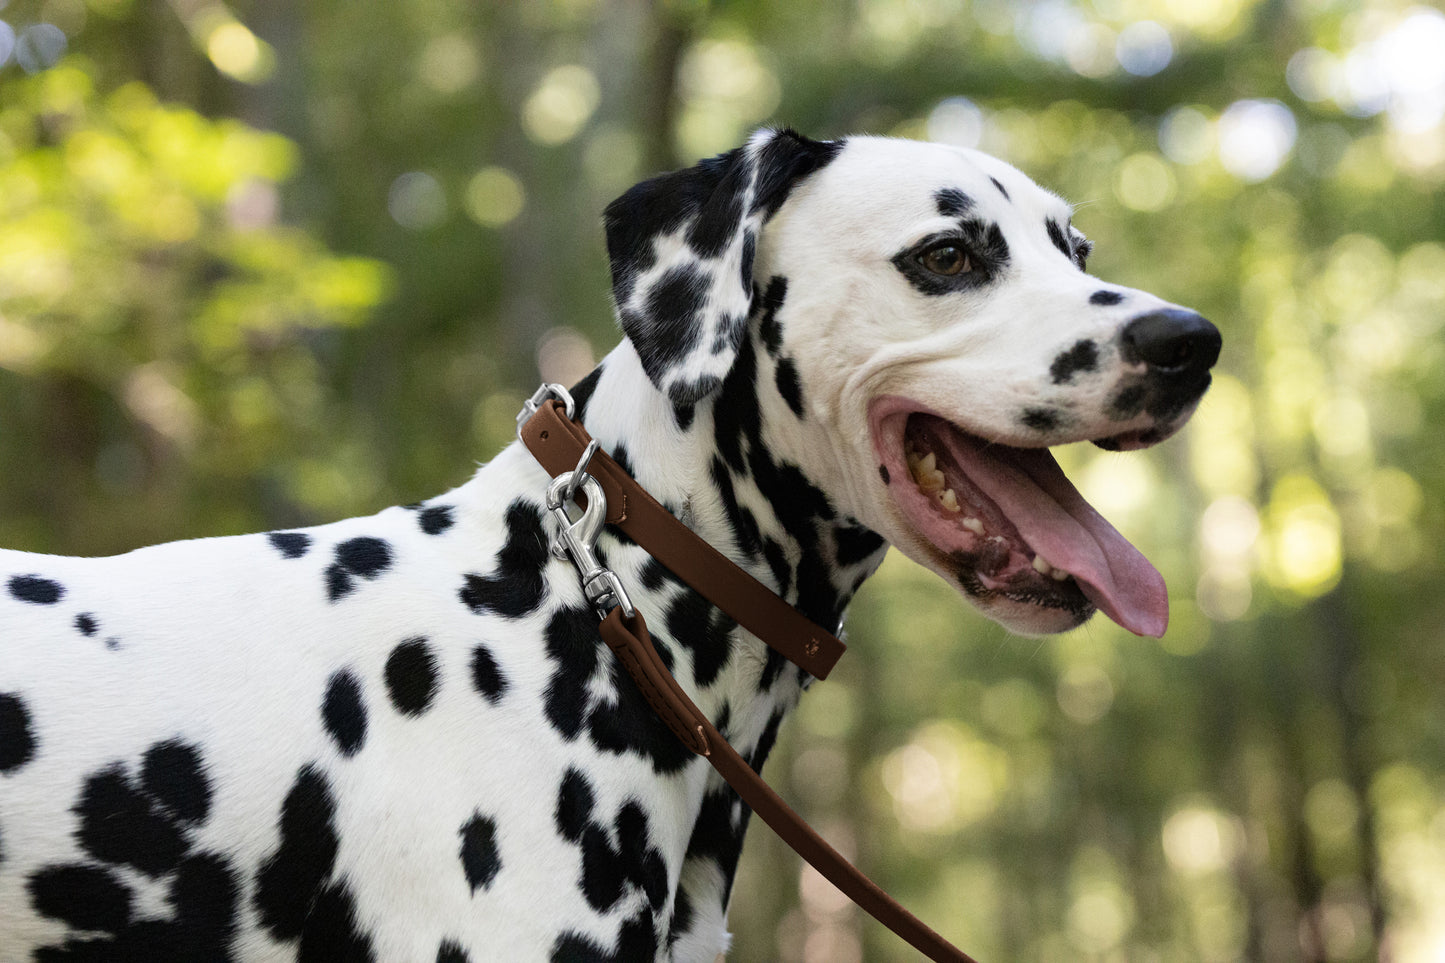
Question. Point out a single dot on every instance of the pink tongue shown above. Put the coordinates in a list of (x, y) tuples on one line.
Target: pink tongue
[(1032, 491)]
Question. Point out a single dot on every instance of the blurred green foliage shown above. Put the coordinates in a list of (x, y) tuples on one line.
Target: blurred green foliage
[(272, 263)]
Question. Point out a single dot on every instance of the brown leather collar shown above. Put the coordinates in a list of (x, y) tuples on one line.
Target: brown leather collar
[(558, 443)]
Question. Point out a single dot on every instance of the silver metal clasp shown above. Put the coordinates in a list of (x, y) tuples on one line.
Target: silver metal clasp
[(547, 390), (576, 539)]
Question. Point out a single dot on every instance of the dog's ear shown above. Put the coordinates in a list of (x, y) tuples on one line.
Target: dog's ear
[(681, 247)]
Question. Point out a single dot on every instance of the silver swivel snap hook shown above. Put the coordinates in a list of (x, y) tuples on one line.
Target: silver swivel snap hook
[(577, 539)]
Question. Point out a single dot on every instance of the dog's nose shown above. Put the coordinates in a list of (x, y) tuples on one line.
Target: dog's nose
[(1173, 342)]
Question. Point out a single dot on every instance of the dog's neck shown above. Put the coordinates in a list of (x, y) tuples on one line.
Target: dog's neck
[(714, 466)]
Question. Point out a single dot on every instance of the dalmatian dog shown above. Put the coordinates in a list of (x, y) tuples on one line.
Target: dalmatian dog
[(400, 738)]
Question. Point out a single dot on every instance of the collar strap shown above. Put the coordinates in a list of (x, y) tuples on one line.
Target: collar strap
[(558, 443)]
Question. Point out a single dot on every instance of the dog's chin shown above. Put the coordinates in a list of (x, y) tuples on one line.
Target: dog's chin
[(1007, 527)]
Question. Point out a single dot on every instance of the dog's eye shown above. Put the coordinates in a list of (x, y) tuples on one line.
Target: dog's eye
[(946, 259)]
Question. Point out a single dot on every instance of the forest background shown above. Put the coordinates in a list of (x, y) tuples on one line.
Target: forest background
[(267, 264)]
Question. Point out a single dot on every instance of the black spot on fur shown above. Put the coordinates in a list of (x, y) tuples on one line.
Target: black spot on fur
[(1105, 297), (602, 879), (1128, 402), (1083, 356), (695, 623), (487, 676), (365, 556), (436, 519), (33, 588), (783, 162), (1058, 238), (1000, 187), (86, 625), (331, 933), (290, 544), (480, 859), (750, 248), (343, 712), (789, 386), (582, 393), (517, 586), (575, 800), (17, 740), (291, 879), (637, 940), (452, 952), (883, 474), (171, 772), (682, 917), (856, 544), (684, 413), (202, 896), (952, 202), (769, 329), (572, 642), (85, 897), (411, 676), (1040, 419), (120, 824)]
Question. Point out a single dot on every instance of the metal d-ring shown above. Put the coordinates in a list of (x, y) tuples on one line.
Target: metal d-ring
[(539, 397)]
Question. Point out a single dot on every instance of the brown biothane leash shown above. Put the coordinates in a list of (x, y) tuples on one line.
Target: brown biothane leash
[(605, 493)]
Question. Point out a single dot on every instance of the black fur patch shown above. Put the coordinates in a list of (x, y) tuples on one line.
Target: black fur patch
[(364, 556), (487, 677), (343, 712), (769, 328), (582, 393), (953, 202), (1000, 187), (85, 897), (883, 474), (290, 544), (637, 940), (480, 860), (411, 676), (575, 800), (17, 739), (86, 624), (856, 543), (1040, 419), (693, 622), (291, 878), (1058, 237), (789, 385), (517, 586), (436, 519), (1105, 297), (1128, 402), (171, 772), (1083, 356), (121, 824), (452, 952), (35, 589)]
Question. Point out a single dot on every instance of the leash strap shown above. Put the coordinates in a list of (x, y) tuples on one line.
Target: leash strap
[(560, 445)]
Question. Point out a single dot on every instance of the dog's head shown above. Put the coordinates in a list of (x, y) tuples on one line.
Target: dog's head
[(928, 325)]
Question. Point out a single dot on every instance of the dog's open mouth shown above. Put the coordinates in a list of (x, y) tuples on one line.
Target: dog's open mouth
[(1008, 524)]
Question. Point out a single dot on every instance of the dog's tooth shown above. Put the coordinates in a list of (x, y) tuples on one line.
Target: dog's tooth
[(928, 464), (1041, 565), (932, 481), (973, 525), (949, 500), (1058, 575)]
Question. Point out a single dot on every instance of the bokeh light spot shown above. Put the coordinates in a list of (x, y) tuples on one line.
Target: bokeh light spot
[(561, 105), (495, 197), (1144, 182), (1144, 48), (416, 201), (39, 47), (1255, 137)]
